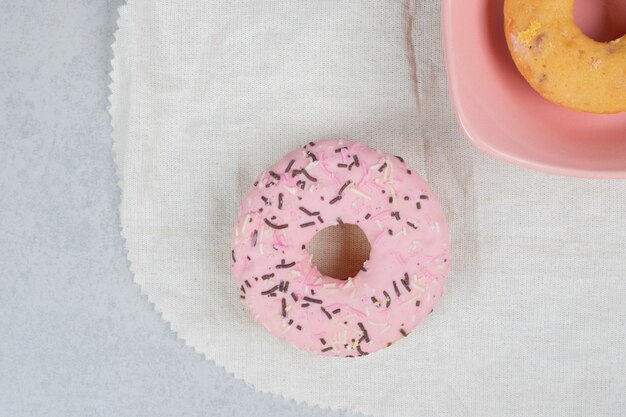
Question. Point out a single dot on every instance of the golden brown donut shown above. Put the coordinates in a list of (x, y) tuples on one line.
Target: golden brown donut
[(560, 61)]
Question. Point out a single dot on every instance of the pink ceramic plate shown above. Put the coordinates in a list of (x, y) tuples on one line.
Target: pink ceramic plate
[(503, 116)]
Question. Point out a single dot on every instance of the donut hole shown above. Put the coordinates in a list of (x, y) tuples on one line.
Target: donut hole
[(339, 251), (601, 20)]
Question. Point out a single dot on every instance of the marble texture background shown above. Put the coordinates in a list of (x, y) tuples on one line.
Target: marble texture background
[(76, 336)]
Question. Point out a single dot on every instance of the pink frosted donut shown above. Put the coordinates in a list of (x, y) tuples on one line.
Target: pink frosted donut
[(329, 183)]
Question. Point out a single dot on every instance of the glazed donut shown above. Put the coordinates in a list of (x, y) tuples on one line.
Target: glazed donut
[(335, 183), (560, 61)]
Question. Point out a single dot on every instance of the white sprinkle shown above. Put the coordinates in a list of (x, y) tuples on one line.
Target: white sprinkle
[(359, 192), (261, 248), (385, 329), (373, 323), (435, 226), (329, 286), (292, 190), (410, 300), (245, 223), (379, 224)]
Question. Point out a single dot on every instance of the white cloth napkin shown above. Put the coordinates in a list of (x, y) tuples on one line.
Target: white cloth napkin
[(206, 94)]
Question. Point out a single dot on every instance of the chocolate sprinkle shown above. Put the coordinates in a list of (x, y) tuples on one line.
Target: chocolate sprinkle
[(423, 197), (374, 300), (382, 167), (401, 160), (405, 282), (248, 284), (395, 214), (311, 155), (280, 286), (343, 187), (283, 265), (320, 219), (334, 200), (395, 288), (312, 143), (305, 173), (342, 165), (363, 268), (326, 312), (270, 291), (350, 166), (290, 322), (337, 310), (243, 290), (417, 303), (286, 286), (294, 296), (299, 327), (418, 205), (406, 198), (290, 165), (408, 171), (248, 258), (390, 232), (253, 240), (309, 213), (340, 221), (275, 226), (322, 341), (232, 253), (387, 298), (356, 161), (267, 276), (365, 334), (274, 175), (283, 303), (358, 349), (327, 349), (280, 201), (243, 297), (390, 200), (312, 300), (305, 305), (307, 224), (412, 225), (403, 332), (367, 216), (339, 149)]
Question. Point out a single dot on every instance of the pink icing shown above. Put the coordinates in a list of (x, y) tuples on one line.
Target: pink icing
[(396, 288)]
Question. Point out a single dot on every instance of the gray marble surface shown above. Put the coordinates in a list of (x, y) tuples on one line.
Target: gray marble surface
[(76, 336)]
